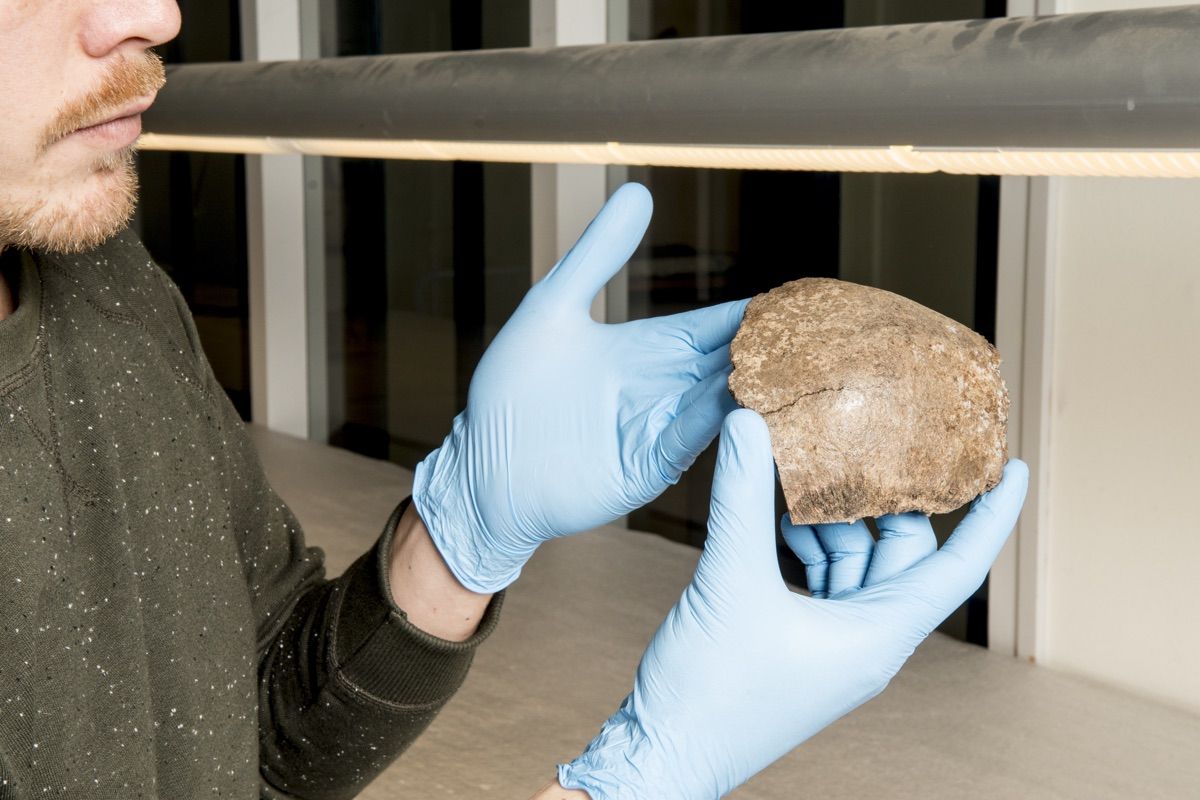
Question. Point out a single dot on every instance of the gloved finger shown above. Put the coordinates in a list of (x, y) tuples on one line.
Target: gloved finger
[(701, 410), (904, 540), (609, 241), (706, 329), (848, 546), (944, 580), (803, 541), (740, 550), (707, 364)]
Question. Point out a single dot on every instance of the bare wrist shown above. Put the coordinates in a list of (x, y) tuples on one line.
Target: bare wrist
[(425, 588)]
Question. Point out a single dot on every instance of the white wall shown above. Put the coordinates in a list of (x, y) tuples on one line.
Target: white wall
[(1123, 540)]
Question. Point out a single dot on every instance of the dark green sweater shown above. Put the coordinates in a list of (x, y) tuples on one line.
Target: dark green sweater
[(164, 631)]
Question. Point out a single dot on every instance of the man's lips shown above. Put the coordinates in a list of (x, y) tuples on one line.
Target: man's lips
[(118, 130), (131, 110)]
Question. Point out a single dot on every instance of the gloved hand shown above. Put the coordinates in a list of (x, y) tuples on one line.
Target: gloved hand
[(742, 670), (571, 423)]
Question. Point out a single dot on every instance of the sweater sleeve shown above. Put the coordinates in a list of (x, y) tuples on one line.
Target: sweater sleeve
[(345, 681)]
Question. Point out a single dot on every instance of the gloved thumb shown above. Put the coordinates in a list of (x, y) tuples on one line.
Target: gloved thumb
[(609, 241), (741, 519), (945, 579)]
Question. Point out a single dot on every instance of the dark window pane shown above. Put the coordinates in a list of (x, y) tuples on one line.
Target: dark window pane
[(426, 260), (192, 213)]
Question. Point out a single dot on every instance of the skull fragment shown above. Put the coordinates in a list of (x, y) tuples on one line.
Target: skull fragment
[(875, 404)]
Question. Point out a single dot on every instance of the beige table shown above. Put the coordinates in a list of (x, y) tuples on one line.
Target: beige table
[(957, 722)]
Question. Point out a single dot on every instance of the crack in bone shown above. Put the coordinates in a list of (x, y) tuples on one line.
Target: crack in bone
[(816, 392)]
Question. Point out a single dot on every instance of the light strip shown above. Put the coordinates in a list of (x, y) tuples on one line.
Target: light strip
[(957, 161)]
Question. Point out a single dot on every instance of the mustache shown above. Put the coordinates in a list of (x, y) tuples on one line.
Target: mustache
[(128, 80)]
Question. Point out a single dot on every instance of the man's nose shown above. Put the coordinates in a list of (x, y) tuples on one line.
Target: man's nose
[(109, 25)]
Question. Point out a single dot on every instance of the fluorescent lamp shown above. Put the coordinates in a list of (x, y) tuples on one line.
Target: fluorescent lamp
[(1158, 163)]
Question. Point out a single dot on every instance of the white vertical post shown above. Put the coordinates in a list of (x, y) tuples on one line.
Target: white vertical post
[(1027, 259), (565, 197), (278, 208), (616, 294), (312, 24), (1037, 362), (1011, 254), (1025, 338)]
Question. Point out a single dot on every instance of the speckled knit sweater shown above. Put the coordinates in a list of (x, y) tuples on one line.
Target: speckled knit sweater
[(164, 630)]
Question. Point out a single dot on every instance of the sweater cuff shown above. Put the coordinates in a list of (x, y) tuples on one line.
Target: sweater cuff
[(378, 653)]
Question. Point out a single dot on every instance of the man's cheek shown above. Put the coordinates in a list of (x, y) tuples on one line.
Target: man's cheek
[(21, 110), (16, 17)]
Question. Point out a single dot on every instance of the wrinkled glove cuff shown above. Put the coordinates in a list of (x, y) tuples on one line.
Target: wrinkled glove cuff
[(619, 764), (441, 493)]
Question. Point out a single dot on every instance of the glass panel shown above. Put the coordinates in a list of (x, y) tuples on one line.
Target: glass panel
[(721, 234), (425, 261), (192, 213)]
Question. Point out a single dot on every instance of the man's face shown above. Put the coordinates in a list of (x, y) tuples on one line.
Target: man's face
[(66, 184)]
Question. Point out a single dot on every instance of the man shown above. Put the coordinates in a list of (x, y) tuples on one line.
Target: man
[(166, 633)]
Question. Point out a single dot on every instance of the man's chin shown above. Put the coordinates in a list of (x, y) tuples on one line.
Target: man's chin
[(79, 218)]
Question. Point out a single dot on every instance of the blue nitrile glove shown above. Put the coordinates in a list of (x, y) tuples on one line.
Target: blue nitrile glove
[(742, 670), (571, 423)]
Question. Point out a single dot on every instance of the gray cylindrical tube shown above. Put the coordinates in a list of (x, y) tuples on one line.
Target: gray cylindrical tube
[(1112, 79)]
